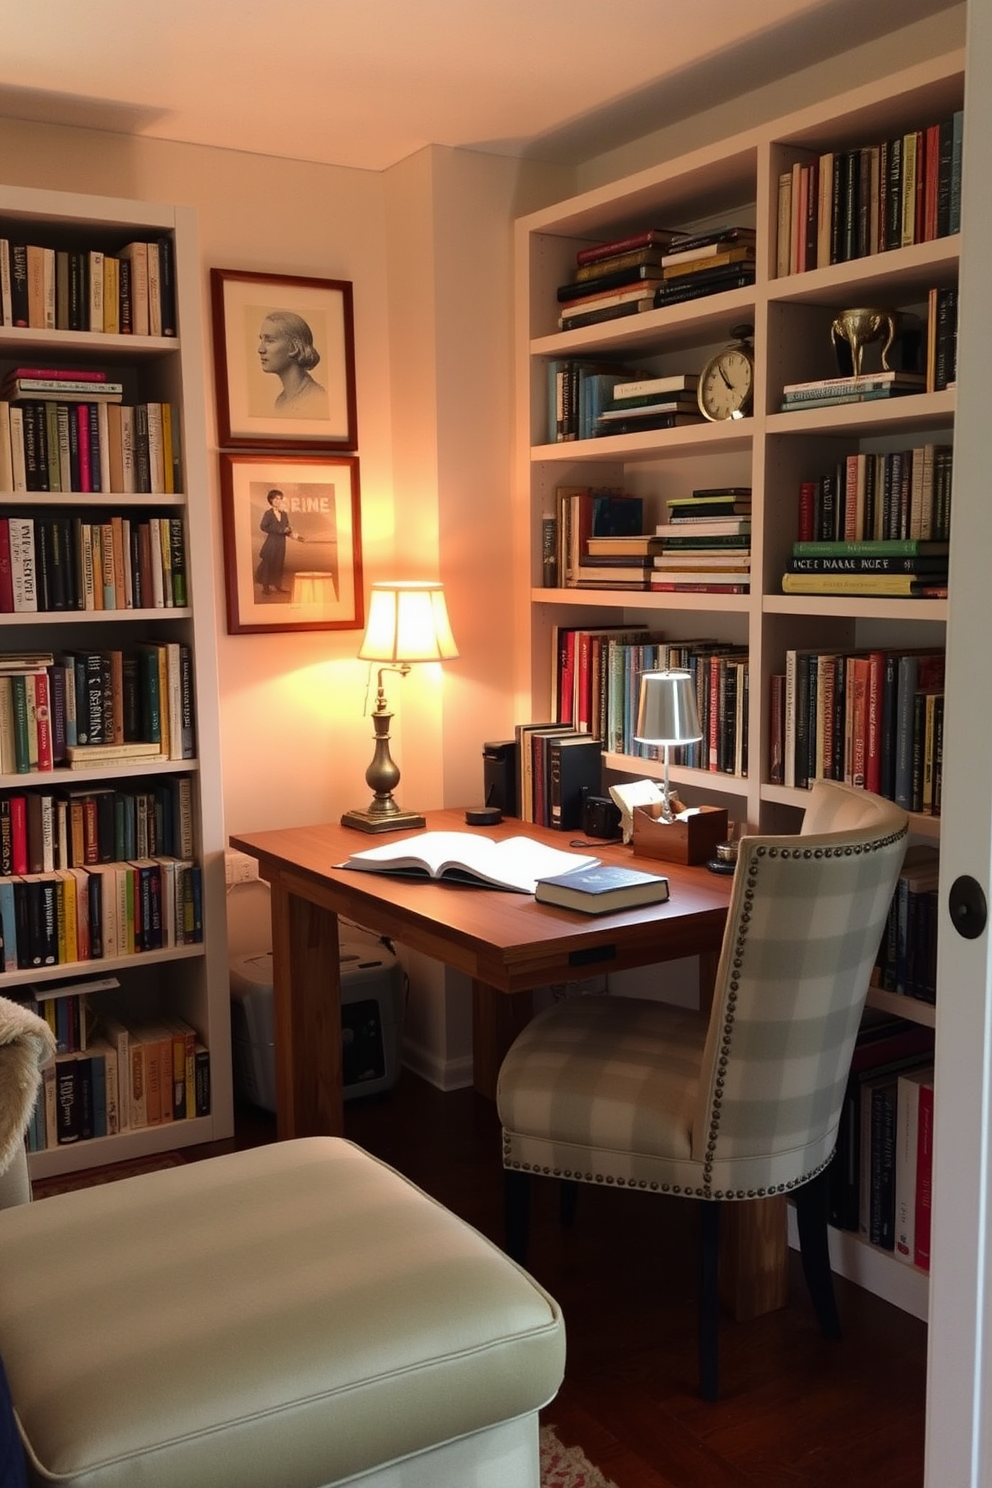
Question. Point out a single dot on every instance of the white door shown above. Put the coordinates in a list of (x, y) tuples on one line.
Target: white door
[(959, 1450)]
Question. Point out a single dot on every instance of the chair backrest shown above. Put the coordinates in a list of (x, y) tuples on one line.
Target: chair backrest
[(806, 917)]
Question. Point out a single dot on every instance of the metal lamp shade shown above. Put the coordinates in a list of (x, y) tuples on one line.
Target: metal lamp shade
[(666, 711)]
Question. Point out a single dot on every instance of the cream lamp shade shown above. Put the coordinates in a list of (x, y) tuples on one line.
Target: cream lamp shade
[(408, 622)]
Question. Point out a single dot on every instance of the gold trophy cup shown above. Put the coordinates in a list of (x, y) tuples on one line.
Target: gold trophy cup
[(861, 327)]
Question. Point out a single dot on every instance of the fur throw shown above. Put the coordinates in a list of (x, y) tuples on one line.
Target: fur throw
[(26, 1043)]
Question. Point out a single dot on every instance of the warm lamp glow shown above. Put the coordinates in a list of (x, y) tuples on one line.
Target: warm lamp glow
[(408, 622), (666, 714)]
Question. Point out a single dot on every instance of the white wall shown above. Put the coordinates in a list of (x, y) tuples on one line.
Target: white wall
[(427, 248)]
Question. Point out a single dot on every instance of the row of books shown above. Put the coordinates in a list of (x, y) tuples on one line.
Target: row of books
[(880, 1179), (57, 446), (557, 768), (872, 719), (898, 494), (907, 957), (66, 562), (134, 1074), (596, 685), (665, 269), (849, 204), (589, 399), (582, 512), (68, 826), (100, 912), (86, 709), (130, 291)]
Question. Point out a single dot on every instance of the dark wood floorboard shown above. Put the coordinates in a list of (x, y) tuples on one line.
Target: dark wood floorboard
[(796, 1410)]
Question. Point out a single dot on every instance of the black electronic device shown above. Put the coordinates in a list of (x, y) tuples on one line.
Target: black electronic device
[(600, 817), (499, 775)]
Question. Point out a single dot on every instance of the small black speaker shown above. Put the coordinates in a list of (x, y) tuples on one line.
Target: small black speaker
[(499, 775)]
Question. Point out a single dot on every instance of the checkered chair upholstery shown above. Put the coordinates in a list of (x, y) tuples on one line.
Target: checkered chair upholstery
[(745, 1102)]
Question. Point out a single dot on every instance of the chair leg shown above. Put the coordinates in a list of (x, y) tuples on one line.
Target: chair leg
[(812, 1213), (568, 1197), (516, 1213), (709, 1299)]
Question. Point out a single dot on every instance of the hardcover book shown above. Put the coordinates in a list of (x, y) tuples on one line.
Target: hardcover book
[(602, 889)]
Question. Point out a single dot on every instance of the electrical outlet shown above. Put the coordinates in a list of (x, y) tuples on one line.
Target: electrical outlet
[(239, 868)]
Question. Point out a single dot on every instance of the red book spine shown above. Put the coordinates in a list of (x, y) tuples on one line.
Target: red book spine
[(924, 1178), (43, 721), (6, 578), (54, 374), (19, 833), (807, 507), (876, 744), (583, 686), (567, 678), (713, 723), (83, 432), (650, 238)]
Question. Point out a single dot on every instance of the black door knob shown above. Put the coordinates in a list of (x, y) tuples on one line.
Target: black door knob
[(968, 909)]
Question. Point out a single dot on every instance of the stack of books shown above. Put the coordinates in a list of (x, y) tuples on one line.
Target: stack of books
[(890, 567), (706, 263), (866, 388), (614, 279), (650, 403), (705, 546)]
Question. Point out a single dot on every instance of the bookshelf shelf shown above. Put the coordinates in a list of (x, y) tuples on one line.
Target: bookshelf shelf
[(771, 451), (186, 981)]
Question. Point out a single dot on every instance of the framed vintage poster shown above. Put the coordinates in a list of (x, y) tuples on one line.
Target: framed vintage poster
[(284, 360), (292, 542)]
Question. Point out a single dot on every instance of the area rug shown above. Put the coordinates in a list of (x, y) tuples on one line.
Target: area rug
[(567, 1467), (44, 1188)]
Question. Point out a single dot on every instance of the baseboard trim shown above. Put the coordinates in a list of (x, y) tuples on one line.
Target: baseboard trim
[(450, 1074)]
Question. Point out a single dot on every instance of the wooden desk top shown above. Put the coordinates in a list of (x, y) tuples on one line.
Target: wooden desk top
[(505, 940)]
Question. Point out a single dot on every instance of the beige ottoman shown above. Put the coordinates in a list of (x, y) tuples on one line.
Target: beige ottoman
[(289, 1317)]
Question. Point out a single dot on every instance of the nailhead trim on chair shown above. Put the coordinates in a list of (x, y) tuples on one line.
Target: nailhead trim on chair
[(737, 963), (667, 1188), (705, 1191)]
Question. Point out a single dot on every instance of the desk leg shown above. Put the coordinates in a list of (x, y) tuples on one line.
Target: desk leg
[(307, 990), (497, 1018), (754, 1257)]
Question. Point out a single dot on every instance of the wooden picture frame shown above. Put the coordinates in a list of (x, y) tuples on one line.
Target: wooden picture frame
[(292, 542), (284, 361)]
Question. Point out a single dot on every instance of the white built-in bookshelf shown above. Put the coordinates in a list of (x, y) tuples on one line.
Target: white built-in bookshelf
[(187, 981), (771, 451)]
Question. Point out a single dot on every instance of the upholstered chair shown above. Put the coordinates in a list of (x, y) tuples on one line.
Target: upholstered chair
[(296, 1314), (740, 1103)]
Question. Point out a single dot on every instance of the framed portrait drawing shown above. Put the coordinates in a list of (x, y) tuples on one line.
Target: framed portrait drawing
[(292, 542), (284, 359)]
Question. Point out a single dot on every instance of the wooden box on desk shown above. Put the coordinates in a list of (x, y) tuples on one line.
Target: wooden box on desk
[(691, 841)]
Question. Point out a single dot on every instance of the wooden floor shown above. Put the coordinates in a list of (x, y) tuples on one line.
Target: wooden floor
[(796, 1411)]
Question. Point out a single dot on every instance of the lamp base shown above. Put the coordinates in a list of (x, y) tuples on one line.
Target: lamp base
[(393, 821)]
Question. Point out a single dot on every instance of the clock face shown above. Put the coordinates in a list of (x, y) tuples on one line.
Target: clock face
[(726, 384)]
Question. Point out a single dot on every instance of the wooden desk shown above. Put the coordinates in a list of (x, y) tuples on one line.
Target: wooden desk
[(507, 943)]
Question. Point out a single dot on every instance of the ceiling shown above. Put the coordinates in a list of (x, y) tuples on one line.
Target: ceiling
[(366, 83)]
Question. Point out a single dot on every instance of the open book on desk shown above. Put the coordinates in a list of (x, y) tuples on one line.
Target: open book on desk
[(514, 863)]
